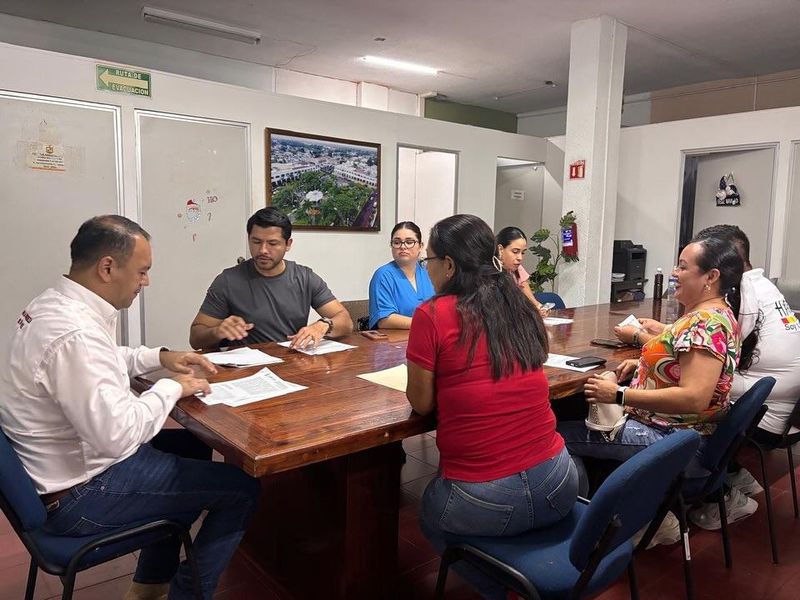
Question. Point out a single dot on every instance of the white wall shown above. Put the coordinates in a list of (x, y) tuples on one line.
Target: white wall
[(148, 55), (792, 254), (651, 175), (345, 260), (552, 122), (753, 171)]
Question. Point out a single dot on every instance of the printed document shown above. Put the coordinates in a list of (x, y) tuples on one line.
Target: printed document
[(261, 386), (242, 357), (324, 347)]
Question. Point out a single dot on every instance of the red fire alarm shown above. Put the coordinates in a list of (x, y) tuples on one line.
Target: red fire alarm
[(577, 170)]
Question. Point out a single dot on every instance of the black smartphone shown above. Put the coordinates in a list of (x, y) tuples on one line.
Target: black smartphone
[(586, 361), (608, 343)]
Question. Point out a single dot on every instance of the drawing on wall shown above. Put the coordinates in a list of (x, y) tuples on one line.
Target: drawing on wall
[(196, 213), (322, 182)]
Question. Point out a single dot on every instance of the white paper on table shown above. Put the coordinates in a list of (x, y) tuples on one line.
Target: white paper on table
[(242, 357), (395, 377), (324, 347), (556, 321), (261, 386), (559, 361), (631, 320)]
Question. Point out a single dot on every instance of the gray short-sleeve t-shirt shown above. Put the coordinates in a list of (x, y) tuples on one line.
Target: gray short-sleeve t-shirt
[(277, 306)]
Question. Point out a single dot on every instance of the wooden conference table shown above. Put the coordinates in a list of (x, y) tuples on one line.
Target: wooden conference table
[(329, 456)]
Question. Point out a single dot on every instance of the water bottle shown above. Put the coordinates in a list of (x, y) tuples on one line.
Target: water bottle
[(658, 284), (672, 309)]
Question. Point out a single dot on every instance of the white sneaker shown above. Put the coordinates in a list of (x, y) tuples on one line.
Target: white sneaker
[(737, 507), (744, 481), (669, 532)]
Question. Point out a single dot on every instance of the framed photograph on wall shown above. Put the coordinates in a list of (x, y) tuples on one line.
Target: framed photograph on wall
[(323, 182)]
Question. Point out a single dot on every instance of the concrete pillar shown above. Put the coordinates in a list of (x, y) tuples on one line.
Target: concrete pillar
[(594, 105)]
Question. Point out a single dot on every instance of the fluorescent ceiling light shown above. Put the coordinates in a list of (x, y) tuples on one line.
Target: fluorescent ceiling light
[(399, 64), (175, 19)]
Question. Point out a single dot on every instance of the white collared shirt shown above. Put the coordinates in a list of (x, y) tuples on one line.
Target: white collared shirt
[(65, 397)]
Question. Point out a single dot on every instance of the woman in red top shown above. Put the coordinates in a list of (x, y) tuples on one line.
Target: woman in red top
[(475, 355)]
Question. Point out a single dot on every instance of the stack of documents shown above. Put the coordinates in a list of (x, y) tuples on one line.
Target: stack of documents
[(261, 386), (242, 357), (324, 347)]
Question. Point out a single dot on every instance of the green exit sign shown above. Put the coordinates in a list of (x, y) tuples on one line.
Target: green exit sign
[(124, 81)]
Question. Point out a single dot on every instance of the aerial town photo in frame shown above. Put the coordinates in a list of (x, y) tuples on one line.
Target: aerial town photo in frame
[(322, 182)]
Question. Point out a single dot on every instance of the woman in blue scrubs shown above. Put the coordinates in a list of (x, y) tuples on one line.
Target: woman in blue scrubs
[(399, 286)]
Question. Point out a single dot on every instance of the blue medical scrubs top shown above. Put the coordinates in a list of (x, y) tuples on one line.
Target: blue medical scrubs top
[(390, 292)]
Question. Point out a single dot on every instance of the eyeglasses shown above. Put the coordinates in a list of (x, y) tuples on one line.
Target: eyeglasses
[(397, 243), (423, 262)]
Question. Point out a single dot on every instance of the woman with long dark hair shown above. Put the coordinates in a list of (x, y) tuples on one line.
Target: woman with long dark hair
[(512, 243), (683, 377), (475, 356), (399, 286)]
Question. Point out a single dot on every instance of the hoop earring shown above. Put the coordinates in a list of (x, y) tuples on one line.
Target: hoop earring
[(497, 263)]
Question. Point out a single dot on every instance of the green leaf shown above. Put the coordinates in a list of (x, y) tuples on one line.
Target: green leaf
[(540, 236), (568, 219), (543, 253)]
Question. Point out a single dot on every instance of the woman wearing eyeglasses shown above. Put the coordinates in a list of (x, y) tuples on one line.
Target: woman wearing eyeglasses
[(511, 246), (399, 286), (475, 355)]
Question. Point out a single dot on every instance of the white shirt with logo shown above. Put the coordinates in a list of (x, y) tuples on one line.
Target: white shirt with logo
[(65, 397), (777, 354)]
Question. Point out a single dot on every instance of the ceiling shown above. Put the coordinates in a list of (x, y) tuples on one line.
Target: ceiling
[(491, 53)]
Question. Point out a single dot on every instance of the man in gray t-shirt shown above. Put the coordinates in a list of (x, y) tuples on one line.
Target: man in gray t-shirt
[(268, 298)]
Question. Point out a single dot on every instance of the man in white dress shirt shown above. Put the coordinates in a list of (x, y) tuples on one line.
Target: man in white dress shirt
[(87, 441)]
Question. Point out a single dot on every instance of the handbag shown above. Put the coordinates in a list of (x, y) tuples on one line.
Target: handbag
[(606, 418)]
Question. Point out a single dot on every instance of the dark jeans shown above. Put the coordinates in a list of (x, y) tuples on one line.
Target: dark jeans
[(152, 484)]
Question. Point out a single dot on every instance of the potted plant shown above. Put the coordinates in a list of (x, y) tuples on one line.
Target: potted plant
[(547, 269)]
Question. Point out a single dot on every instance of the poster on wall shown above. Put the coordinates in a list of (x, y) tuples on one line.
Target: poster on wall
[(728, 193), (322, 182)]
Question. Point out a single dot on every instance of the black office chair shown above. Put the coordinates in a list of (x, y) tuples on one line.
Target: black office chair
[(66, 556), (787, 440)]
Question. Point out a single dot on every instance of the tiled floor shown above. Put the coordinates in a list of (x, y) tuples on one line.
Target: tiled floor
[(753, 575)]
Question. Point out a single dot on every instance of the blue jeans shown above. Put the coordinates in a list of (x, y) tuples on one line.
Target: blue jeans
[(531, 499), (152, 484), (631, 439)]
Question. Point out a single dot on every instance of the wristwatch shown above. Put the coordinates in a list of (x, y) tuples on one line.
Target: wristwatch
[(328, 322), (621, 395)]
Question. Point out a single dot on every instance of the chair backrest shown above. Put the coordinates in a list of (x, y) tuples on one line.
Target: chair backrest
[(359, 311), (545, 297), (19, 497), (632, 495), (733, 426)]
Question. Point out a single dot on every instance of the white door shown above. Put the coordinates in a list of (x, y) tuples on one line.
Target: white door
[(426, 188), (194, 179), (59, 165)]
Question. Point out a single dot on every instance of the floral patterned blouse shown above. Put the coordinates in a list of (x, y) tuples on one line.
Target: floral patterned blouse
[(713, 330)]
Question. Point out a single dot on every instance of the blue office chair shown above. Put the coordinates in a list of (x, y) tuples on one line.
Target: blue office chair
[(590, 548), (545, 297), (705, 477), (66, 556)]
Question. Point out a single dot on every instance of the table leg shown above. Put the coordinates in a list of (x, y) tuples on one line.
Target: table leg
[(330, 529)]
